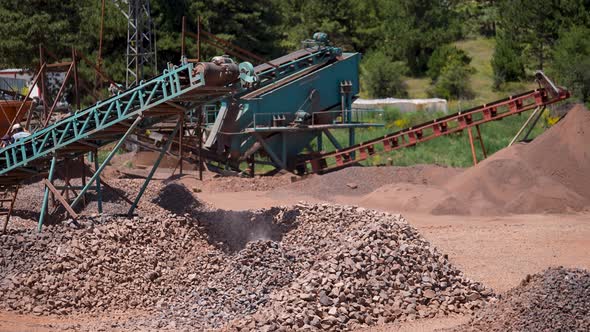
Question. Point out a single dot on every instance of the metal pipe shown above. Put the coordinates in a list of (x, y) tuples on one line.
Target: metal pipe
[(180, 136), (524, 125), (526, 136), (483, 147), (46, 194), (200, 133), (98, 188)]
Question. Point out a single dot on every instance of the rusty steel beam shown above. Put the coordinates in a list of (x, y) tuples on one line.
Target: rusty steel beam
[(432, 129)]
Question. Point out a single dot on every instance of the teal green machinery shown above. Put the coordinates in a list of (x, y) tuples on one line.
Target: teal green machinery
[(281, 119), (273, 110)]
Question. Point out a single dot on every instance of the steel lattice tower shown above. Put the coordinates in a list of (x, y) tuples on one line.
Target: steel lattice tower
[(141, 41)]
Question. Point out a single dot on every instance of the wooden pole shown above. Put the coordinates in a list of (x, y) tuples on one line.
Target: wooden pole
[(43, 90), (182, 37), (97, 81), (472, 146), (200, 137), (199, 38), (76, 84)]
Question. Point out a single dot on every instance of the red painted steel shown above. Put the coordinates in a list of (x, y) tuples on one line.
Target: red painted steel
[(432, 129)]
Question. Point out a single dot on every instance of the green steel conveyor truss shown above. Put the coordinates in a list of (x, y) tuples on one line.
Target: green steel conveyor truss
[(93, 127), (82, 125)]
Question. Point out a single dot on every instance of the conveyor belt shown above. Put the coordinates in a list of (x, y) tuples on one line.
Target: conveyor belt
[(546, 95)]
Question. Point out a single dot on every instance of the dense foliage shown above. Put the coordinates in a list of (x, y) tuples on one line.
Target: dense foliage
[(402, 37)]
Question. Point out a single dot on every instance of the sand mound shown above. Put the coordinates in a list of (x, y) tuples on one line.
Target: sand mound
[(550, 174), (556, 300)]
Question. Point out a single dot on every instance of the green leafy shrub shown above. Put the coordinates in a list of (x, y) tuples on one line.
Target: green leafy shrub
[(507, 61), (441, 58), (571, 61), (453, 81), (383, 77)]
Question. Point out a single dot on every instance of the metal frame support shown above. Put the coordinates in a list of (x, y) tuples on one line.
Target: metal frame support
[(333, 139), (526, 124), (98, 188), (155, 167), (480, 139), (106, 161), (483, 147), (46, 194), (284, 149), (472, 146), (271, 153), (526, 136), (320, 141)]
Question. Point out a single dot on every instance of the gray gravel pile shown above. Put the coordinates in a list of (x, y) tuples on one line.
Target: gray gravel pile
[(241, 287), (558, 299), (316, 266), (364, 267), (120, 264)]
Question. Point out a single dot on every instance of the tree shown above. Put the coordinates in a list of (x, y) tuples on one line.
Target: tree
[(301, 18), (442, 56), (382, 77), (534, 25), (479, 17), (413, 29), (453, 81), (571, 61), (507, 61), (253, 25)]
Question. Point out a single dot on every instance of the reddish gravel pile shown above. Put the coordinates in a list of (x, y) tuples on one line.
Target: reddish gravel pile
[(315, 267), (550, 174), (556, 300), (354, 181)]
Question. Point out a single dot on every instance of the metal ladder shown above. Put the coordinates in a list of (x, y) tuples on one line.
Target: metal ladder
[(8, 195)]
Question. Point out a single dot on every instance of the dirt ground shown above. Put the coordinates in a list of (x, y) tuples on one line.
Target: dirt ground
[(497, 250)]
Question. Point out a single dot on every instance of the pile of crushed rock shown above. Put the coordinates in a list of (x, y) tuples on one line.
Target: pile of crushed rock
[(316, 266), (558, 299)]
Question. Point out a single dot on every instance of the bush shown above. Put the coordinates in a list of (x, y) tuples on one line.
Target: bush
[(442, 56), (507, 61), (571, 61), (382, 77), (453, 82)]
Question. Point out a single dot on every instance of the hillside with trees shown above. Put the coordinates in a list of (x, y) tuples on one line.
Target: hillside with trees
[(407, 44)]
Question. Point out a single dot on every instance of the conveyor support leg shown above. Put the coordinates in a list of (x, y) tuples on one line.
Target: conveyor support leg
[(154, 168)]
